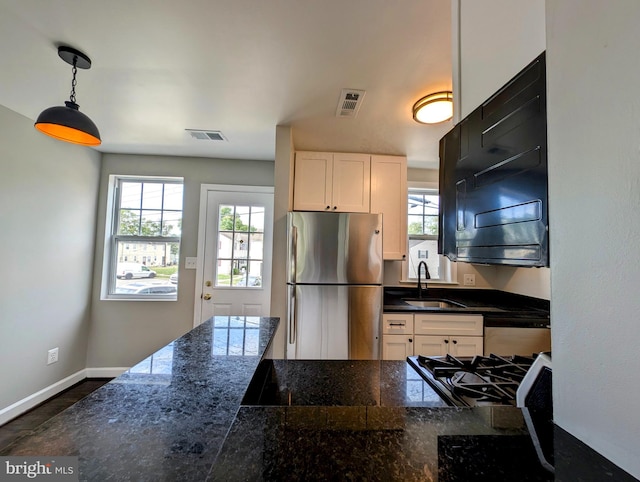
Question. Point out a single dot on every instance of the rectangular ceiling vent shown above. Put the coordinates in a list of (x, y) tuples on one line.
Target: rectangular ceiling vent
[(203, 135), (349, 103)]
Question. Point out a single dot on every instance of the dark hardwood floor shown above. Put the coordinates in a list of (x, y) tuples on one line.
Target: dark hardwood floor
[(29, 421)]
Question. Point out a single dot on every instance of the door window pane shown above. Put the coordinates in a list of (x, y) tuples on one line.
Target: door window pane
[(240, 238)]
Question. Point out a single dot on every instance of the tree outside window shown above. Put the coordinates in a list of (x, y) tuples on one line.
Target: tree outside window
[(145, 239)]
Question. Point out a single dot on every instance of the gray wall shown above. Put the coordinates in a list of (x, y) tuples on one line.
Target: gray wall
[(124, 332), (594, 190), (48, 195)]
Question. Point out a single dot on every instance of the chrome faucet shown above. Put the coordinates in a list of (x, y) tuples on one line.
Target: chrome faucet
[(427, 276)]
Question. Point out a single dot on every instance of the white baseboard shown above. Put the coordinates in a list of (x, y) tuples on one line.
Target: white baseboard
[(27, 403), (105, 372), (21, 406)]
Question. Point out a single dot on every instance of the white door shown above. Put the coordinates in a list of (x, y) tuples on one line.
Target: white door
[(234, 251)]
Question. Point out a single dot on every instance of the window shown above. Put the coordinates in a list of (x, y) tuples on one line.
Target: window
[(240, 246), (422, 224), (144, 242)]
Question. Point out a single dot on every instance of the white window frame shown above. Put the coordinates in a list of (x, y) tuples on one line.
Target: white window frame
[(112, 238), (447, 268)]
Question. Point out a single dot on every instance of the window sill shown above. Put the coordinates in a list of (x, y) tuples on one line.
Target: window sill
[(119, 298)]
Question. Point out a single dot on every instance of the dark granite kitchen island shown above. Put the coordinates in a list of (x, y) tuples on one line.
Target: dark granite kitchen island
[(166, 418), (179, 415)]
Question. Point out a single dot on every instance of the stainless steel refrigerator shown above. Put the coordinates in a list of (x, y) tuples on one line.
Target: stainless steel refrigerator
[(334, 277)]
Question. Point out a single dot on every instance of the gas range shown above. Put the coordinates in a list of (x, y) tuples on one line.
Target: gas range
[(473, 381)]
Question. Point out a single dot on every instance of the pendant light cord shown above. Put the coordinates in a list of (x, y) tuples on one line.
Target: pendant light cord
[(74, 70)]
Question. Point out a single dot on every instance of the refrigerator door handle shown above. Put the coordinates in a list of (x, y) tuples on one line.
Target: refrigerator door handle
[(294, 253), (293, 318)]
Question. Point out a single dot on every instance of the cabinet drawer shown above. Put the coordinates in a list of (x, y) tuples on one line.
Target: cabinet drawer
[(397, 323), (448, 324)]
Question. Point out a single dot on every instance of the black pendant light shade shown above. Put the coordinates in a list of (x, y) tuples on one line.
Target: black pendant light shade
[(67, 123)]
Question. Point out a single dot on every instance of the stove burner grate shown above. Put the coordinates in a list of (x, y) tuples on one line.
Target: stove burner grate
[(482, 387), (488, 379)]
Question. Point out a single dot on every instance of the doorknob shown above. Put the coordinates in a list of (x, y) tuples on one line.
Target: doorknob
[(206, 296)]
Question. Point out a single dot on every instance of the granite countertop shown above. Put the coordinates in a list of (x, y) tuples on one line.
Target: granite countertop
[(167, 417), (498, 308), (190, 412)]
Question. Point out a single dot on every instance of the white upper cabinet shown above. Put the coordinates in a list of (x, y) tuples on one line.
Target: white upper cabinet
[(389, 197), (331, 182), (356, 183)]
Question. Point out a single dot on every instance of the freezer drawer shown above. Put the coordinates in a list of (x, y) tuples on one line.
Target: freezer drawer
[(334, 322)]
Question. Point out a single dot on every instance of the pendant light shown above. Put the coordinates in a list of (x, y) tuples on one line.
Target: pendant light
[(68, 123), (434, 108)]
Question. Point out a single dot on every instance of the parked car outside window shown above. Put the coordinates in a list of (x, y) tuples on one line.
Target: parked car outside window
[(253, 281), (146, 289), (134, 270)]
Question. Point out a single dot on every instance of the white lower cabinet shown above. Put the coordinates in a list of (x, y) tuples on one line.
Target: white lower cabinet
[(438, 334), (439, 345), (397, 347)]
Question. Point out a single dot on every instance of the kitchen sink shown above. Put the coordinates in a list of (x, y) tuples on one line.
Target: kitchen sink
[(433, 303)]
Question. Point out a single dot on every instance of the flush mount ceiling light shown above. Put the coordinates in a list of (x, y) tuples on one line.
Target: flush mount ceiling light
[(434, 108), (68, 123)]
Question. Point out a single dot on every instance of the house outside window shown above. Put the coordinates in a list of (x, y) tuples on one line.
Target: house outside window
[(146, 219), (240, 246), (422, 226)]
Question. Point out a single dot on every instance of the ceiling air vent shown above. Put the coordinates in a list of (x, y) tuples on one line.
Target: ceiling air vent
[(203, 135), (349, 103)]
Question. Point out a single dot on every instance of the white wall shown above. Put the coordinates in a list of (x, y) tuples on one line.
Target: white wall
[(594, 183), (48, 195), (283, 192), (124, 332), (493, 40)]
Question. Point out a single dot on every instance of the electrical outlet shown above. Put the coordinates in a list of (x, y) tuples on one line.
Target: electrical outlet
[(190, 262), (469, 279), (52, 356)]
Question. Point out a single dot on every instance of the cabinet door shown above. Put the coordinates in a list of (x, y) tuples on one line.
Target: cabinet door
[(431, 345), (389, 197), (465, 345), (312, 181), (396, 347), (351, 183)]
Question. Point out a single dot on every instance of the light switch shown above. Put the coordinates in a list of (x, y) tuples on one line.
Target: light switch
[(190, 262)]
